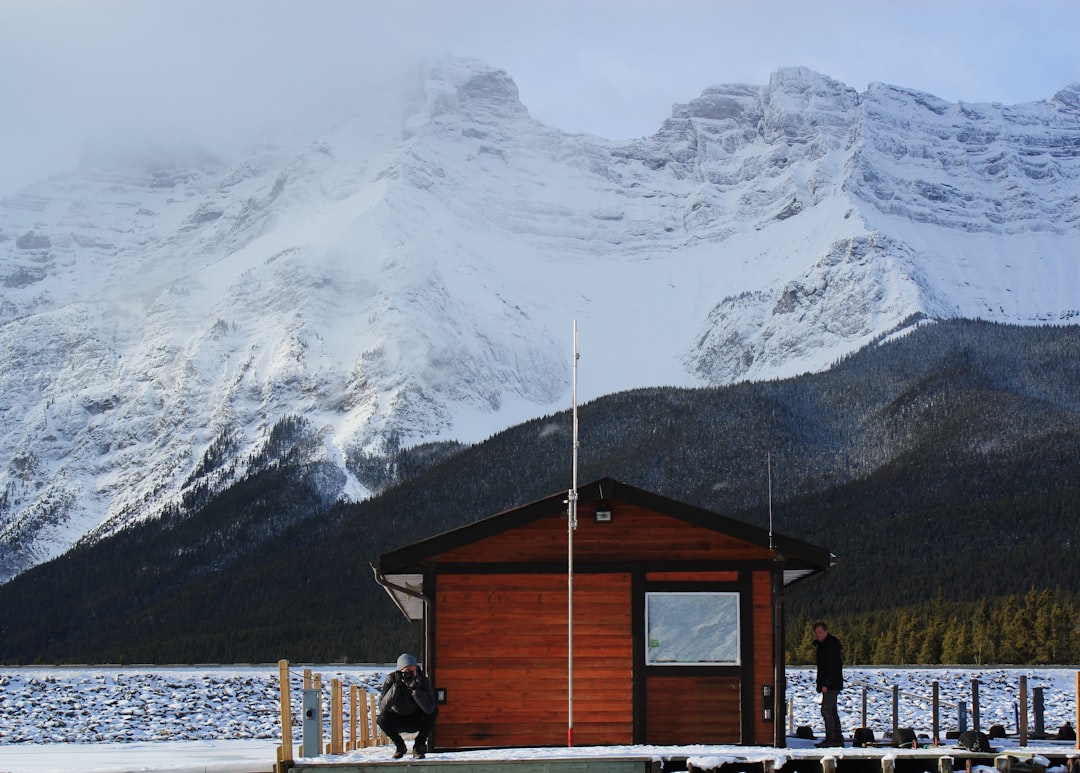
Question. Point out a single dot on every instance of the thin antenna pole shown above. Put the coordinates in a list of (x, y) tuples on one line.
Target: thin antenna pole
[(768, 465), (571, 525)]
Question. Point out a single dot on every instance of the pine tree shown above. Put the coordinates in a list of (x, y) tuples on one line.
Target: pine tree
[(956, 641), (982, 635), (885, 648), (930, 651)]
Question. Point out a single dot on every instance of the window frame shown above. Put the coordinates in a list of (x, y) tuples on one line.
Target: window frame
[(730, 598)]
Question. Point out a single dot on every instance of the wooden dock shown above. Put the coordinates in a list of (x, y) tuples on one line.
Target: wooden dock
[(729, 759), (597, 765)]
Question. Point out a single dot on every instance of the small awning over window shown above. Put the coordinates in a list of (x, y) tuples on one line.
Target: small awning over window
[(406, 590), (792, 576)]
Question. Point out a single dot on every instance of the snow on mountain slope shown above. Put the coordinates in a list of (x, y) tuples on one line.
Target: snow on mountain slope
[(412, 273)]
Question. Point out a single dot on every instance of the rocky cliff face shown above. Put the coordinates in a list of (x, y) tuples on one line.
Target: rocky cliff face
[(974, 167), (412, 274)]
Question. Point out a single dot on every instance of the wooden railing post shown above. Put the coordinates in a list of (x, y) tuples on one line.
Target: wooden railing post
[(895, 708), (975, 705), (862, 722), (285, 756), (376, 732), (353, 690), (365, 728), (935, 724), (1077, 725), (1038, 708), (1023, 729), (337, 718)]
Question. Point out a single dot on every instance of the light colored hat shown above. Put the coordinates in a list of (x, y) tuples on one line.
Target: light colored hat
[(405, 660)]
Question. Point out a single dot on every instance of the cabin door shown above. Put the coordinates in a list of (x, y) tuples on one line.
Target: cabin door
[(692, 665)]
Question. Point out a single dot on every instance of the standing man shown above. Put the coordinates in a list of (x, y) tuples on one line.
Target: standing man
[(830, 681), (407, 704)]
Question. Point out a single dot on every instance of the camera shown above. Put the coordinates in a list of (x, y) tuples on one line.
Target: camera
[(408, 677)]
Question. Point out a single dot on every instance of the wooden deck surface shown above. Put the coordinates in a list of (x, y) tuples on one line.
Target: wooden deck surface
[(727, 759)]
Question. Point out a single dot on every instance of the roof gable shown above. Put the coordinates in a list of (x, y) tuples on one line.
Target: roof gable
[(702, 535)]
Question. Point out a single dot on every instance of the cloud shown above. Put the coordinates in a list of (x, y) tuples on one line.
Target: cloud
[(214, 70), (73, 73)]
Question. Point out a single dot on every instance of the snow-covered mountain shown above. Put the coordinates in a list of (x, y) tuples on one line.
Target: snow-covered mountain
[(412, 273)]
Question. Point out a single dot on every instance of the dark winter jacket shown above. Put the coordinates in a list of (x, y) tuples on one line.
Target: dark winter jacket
[(403, 699), (830, 664)]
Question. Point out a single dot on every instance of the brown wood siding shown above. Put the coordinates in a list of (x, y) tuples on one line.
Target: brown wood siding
[(691, 711), (634, 534), (762, 667), (501, 656), (692, 576)]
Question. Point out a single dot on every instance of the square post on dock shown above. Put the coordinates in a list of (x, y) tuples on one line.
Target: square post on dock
[(337, 720), (376, 732), (1023, 729), (312, 718), (353, 720), (285, 754), (935, 733), (895, 709), (975, 705)]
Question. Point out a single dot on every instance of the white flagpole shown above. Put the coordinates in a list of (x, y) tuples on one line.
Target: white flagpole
[(768, 466), (571, 525)]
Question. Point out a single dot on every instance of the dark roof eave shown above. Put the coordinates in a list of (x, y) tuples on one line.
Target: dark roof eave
[(419, 554)]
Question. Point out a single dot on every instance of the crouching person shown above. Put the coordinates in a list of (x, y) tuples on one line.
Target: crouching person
[(407, 705)]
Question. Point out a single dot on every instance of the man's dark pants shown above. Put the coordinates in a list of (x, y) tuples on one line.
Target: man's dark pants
[(831, 716), (394, 724)]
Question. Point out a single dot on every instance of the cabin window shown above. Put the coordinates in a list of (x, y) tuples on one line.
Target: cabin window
[(692, 629)]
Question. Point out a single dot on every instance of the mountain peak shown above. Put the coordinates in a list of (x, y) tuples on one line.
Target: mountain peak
[(797, 79), (466, 87), (1069, 97)]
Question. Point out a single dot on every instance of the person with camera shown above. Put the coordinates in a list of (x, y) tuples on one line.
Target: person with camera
[(407, 705)]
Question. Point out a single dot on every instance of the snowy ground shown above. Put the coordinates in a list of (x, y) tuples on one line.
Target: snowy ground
[(999, 697), (225, 718)]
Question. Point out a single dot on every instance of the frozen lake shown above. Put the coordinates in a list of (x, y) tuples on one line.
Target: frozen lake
[(226, 718)]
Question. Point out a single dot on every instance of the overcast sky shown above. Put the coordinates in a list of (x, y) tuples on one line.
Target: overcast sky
[(79, 70)]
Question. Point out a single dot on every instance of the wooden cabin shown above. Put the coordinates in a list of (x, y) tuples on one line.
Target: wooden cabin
[(677, 629)]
